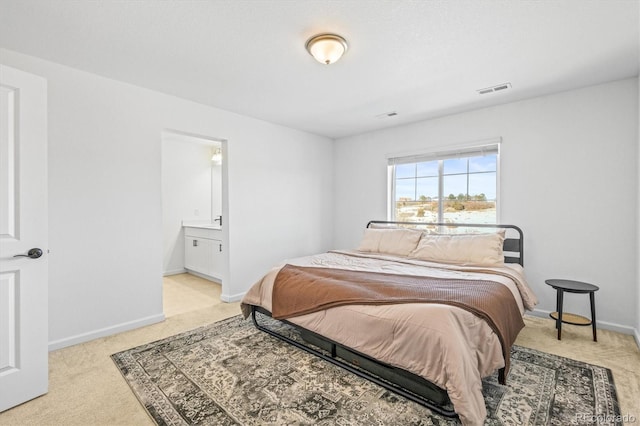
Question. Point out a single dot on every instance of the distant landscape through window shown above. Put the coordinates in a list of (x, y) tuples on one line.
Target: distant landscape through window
[(454, 188)]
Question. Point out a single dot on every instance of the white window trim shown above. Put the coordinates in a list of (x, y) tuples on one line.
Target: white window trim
[(442, 152)]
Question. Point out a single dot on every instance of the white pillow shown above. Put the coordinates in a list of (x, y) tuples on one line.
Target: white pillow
[(400, 242), (474, 249)]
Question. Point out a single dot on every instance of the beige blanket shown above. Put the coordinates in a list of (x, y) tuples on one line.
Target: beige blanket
[(300, 290), (444, 344)]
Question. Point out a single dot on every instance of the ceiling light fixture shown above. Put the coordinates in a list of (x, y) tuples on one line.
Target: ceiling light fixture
[(326, 48)]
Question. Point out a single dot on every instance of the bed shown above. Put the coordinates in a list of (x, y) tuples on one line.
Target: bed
[(424, 310)]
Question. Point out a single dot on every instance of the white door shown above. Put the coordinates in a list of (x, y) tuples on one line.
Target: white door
[(23, 227)]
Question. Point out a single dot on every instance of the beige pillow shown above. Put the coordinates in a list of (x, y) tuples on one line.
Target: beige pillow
[(384, 226), (400, 242), (473, 249)]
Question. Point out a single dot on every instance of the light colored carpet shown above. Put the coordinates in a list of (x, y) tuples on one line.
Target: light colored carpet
[(86, 388)]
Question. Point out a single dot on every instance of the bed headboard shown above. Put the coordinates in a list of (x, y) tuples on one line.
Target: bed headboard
[(513, 244)]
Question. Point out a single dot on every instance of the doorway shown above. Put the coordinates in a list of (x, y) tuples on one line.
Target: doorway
[(191, 168)]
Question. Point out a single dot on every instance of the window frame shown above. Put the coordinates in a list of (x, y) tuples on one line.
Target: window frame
[(491, 146)]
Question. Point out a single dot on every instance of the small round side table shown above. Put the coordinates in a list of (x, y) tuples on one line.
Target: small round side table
[(570, 286)]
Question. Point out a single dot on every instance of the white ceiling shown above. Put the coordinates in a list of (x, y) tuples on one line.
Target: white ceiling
[(421, 59)]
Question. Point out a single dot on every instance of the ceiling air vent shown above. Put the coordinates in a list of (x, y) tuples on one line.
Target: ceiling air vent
[(497, 88), (387, 114)]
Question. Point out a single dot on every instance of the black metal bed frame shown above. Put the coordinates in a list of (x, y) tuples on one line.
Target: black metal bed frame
[(391, 375)]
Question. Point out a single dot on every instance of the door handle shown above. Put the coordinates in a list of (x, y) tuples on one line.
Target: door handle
[(34, 253)]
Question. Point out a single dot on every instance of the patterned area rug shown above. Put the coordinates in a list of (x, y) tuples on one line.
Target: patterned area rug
[(230, 373)]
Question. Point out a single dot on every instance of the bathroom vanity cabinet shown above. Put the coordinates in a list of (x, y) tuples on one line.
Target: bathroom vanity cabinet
[(203, 250)]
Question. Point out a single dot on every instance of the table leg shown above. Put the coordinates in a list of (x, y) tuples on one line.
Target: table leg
[(559, 322), (593, 315), (557, 305)]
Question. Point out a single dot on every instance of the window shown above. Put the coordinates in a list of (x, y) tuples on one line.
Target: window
[(449, 187)]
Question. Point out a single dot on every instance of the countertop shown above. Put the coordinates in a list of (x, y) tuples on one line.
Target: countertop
[(201, 224)]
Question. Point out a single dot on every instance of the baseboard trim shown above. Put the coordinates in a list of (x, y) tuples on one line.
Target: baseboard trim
[(232, 298), (103, 332), (605, 325), (204, 276), (637, 337), (174, 272)]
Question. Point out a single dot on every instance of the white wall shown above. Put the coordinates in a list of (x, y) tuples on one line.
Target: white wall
[(280, 202), (190, 184), (569, 166), (105, 213), (637, 334)]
